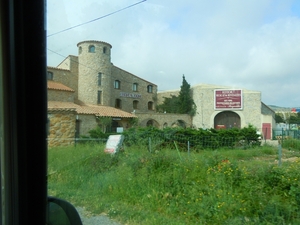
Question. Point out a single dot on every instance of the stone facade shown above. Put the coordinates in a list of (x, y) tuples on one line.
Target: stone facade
[(85, 124), (61, 127), (64, 96), (145, 100), (253, 111), (66, 77), (163, 120), (96, 82)]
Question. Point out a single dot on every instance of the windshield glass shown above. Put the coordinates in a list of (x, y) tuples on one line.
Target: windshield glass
[(151, 106)]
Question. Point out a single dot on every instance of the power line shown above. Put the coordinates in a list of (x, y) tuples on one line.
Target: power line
[(78, 25)]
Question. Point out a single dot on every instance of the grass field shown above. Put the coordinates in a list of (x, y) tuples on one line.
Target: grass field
[(172, 187)]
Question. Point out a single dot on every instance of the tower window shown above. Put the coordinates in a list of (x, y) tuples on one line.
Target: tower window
[(99, 79), (118, 103), (49, 75), (92, 48), (149, 88), (135, 87), (99, 96), (79, 50), (117, 84), (104, 50)]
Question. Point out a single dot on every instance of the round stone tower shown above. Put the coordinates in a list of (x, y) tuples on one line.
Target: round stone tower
[(94, 72)]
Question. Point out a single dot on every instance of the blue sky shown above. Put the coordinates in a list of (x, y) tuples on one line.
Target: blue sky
[(249, 44)]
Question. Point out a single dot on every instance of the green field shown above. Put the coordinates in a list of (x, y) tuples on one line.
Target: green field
[(172, 187)]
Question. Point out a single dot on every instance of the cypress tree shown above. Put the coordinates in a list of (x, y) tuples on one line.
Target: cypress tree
[(186, 103)]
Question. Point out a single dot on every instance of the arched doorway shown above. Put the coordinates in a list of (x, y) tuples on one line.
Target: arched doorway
[(179, 123), (227, 120), (151, 123)]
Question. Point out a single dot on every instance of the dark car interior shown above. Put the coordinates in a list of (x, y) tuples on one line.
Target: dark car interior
[(23, 119)]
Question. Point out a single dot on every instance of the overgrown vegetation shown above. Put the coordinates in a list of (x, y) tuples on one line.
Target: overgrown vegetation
[(198, 139), (170, 187)]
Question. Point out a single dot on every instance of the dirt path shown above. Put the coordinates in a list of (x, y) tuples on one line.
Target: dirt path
[(88, 219)]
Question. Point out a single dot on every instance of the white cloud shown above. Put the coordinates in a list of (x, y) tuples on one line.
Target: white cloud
[(251, 44)]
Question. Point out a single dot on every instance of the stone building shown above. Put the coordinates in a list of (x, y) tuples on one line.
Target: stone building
[(85, 89), (88, 87), (224, 107)]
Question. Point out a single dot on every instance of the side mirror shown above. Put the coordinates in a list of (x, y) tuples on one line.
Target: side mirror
[(61, 212)]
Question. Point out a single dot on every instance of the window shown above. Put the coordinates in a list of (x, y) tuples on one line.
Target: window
[(118, 103), (92, 48), (149, 88), (49, 75), (99, 79), (79, 50), (135, 104), (150, 105), (99, 96), (135, 87), (117, 84), (104, 50)]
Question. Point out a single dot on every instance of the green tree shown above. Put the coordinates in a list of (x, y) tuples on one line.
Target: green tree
[(294, 119), (170, 105), (104, 122), (183, 103), (186, 103), (278, 118)]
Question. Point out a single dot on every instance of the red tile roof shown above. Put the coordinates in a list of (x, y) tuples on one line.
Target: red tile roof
[(56, 105), (52, 85), (103, 111)]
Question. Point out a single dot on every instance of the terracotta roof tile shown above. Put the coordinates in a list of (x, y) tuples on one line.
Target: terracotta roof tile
[(52, 85), (104, 111), (62, 105), (90, 109)]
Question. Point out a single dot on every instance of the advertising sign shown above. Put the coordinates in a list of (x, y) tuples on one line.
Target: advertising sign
[(114, 143), (228, 99)]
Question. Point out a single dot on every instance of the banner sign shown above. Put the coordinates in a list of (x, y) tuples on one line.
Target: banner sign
[(130, 95), (114, 143), (228, 99)]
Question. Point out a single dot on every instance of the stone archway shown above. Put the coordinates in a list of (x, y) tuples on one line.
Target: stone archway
[(152, 123), (179, 123), (227, 120)]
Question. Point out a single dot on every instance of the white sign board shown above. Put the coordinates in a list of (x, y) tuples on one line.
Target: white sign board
[(114, 143), (120, 129)]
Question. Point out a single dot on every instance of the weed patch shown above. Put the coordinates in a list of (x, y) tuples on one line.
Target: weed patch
[(205, 187)]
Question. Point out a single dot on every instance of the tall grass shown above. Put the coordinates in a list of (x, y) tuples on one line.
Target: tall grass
[(170, 187)]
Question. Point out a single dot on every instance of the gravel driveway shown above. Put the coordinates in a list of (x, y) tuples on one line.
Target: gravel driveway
[(88, 219)]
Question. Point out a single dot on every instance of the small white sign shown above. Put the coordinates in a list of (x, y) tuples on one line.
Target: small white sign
[(120, 129), (114, 143)]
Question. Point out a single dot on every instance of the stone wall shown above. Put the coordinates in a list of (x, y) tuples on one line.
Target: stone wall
[(203, 96), (128, 95), (58, 95), (166, 94), (65, 77), (86, 123), (163, 120), (206, 113), (61, 127)]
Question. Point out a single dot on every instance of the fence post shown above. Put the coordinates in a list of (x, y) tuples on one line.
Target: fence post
[(282, 137), (279, 154), (149, 145), (188, 148)]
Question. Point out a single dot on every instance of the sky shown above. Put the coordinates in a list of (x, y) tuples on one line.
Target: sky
[(249, 44)]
